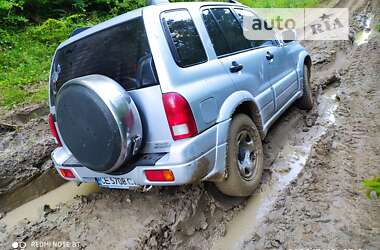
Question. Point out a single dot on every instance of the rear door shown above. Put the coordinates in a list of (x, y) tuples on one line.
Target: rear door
[(279, 71), (244, 61), (195, 73)]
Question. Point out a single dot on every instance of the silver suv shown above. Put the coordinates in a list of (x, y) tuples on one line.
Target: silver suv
[(171, 94)]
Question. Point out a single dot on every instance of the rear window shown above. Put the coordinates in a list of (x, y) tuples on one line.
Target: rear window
[(121, 52), (183, 38)]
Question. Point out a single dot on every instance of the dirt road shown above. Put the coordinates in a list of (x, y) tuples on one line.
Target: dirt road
[(310, 197)]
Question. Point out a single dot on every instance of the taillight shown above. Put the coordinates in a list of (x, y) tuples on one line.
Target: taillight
[(67, 173), (180, 118), (159, 175), (53, 130)]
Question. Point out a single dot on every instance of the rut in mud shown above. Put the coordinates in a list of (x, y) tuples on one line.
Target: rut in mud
[(310, 193), (25, 147)]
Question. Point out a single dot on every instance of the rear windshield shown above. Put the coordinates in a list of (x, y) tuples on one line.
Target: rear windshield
[(121, 52)]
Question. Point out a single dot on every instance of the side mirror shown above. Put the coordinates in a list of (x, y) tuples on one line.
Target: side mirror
[(289, 36)]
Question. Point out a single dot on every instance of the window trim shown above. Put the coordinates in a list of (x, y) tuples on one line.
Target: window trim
[(96, 33), (170, 41), (245, 9), (232, 8), (221, 29)]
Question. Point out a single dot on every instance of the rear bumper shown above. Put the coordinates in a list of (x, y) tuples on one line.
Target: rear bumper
[(191, 160), (185, 173)]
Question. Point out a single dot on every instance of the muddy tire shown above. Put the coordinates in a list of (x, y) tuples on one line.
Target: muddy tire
[(306, 101), (244, 163)]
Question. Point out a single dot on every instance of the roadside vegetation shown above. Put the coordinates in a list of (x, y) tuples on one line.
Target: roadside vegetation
[(30, 30), (372, 187)]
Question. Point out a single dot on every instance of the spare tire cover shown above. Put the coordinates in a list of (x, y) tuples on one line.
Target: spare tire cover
[(98, 122)]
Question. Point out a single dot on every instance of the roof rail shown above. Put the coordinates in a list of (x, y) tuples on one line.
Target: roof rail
[(154, 2)]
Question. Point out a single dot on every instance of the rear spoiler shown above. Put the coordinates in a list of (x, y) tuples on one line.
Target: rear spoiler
[(154, 2), (235, 2), (79, 30)]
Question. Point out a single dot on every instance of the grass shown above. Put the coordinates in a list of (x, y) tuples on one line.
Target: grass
[(25, 53), (24, 67), (372, 187), (25, 58)]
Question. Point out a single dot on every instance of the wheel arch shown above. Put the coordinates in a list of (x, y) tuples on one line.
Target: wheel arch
[(307, 61), (303, 58), (242, 102)]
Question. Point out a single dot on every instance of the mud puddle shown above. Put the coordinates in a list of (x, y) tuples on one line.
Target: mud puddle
[(42, 184), (362, 37), (32, 210), (285, 168)]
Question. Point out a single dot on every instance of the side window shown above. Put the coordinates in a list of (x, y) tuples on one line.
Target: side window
[(216, 35), (242, 12), (183, 38), (232, 29), (255, 43)]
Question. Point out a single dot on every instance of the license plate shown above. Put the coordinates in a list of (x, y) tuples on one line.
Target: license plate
[(115, 182)]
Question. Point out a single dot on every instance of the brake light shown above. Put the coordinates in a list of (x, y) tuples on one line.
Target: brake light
[(53, 130), (159, 175), (67, 173), (180, 118)]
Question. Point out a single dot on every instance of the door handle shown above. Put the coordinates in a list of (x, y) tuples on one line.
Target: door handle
[(269, 56), (235, 67)]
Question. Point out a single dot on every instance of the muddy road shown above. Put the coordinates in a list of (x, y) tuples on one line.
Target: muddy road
[(310, 197)]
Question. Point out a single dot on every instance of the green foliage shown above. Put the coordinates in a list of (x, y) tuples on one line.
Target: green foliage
[(25, 57), (372, 185), (53, 31), (5, 39), (21, 12), (378, 27), (8, 12), (29, 34)]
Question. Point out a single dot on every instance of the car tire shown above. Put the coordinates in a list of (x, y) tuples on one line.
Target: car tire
[(306, 102), (244, 162)]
